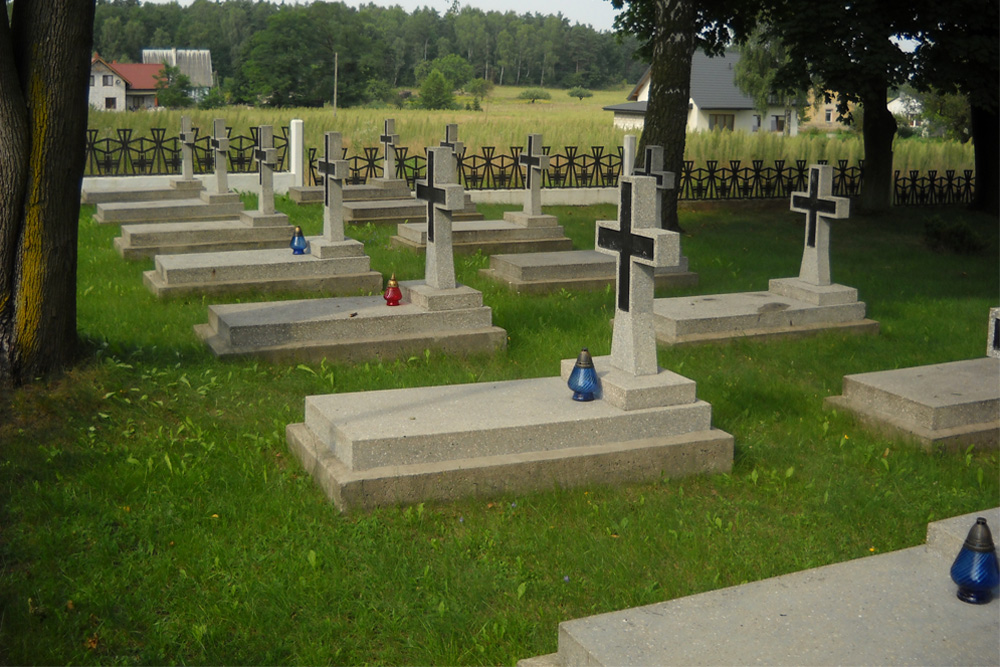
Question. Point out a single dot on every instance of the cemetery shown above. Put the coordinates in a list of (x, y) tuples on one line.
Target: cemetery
[(419, 483)]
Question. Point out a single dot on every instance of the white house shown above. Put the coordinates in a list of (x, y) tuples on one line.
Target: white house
[(121, 86), (716, 102)]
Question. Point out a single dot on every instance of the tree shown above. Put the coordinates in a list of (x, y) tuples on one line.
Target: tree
[(174, 88), (762, 55), (435, 92), (456, 70), (43, 117), (479, 87), (533, 94), (579, 93)]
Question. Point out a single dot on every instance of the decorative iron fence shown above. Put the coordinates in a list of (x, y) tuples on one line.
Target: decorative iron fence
[(125, 155)]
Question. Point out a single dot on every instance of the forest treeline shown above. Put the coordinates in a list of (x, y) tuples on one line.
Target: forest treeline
[(283, 54)]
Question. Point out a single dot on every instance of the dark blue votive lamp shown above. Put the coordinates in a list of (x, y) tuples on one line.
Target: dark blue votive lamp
[(298, 243), (975, 569), (583, 380)]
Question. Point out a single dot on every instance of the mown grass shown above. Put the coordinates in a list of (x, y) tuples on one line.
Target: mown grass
[(506, 121), (152, 514)]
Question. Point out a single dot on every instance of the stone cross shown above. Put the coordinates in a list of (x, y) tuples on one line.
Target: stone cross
[(639, 247), (653, 166), (993, 339), (534, 162), (389, 139), (628, 155), (220, 151), (819, 206), (267, 158), (443, 196), (334, 170), (451, 140), (187, 138)]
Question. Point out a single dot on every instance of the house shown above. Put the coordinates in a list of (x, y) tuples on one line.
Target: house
[(907, 107), (716, 102), (823, 115), (195, 64), (118, 86)]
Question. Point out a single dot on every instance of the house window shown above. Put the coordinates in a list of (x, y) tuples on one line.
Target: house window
[(110, 103), (777, 123), (91, 80), (756, 123), (108, 80), (829, 115), (721, 121)]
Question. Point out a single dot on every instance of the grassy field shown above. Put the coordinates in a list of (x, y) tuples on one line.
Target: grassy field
[(563, 121), (151, 512)]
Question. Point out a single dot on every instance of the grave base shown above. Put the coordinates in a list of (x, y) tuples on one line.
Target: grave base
[(951, 405), (342, 268), (371, 449), (396, 211), (173, 238), (179, 189), (488, 236), (209, 206), (721, 317), (544, 272), (355, 328), (379, 189)]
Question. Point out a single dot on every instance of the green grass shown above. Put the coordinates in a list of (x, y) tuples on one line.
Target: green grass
[(152, 514)]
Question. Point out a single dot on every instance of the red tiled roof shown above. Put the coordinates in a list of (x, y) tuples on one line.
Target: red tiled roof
[(138, 75)]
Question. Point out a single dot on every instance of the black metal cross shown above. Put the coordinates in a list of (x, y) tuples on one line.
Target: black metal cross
[(328, 167), (530, 160), (429, 192), (625, 243), (813, 205)]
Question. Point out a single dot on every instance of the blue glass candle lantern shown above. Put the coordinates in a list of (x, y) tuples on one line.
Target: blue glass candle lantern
[(975, 569), (583, 380), (299, 243)]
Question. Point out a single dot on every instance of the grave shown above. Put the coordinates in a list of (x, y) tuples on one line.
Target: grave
[(386, 187), (896, 608), (525, 231), (263, 228), (185, 187), (391, 207), (199, 205), (442, 443), (336, 264), (437, 314), (543, 272), (808, 304), (949, 405)]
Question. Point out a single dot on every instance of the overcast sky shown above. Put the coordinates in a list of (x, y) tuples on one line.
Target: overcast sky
[(599, 14)]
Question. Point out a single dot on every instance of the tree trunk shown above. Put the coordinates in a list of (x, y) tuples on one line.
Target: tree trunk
[(879, 129), (669, 94), (44, 69), (986, 137)]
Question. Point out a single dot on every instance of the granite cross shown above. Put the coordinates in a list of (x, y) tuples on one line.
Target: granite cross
[(993, 337), (819, 206), (451, 140), (220, 151), (653, 166), (389, 139), (440, 192), (639, 247), (534, 161), (267, 158), (187, 138), (335, 170)]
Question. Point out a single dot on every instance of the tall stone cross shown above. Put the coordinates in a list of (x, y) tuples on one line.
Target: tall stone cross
[(451, 140), (639, 247), (652, 165), (334, 170), (443, 196), (389, 139), (220, 151), (819, 206), (187, 138), (267, 158), (534, 162)]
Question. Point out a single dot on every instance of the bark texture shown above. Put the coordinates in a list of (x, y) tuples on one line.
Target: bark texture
[(44, 72), (879, 129)]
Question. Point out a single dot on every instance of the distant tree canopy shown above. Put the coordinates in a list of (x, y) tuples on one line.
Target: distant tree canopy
[(283, 54), (173, 88)]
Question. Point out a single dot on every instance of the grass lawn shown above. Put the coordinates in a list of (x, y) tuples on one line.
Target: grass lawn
[(152, 514)]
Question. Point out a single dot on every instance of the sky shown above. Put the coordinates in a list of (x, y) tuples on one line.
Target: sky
[(598, 14)]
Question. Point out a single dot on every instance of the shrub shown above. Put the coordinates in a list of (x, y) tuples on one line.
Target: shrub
[(435, 93), (957, 237), (579, 92), (534, 94)]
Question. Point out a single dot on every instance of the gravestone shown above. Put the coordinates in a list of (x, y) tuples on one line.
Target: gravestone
[(442, 443), (389, 140), (392, 207), (220, 155), (804, 305), (187, 138), (542, 272), (950, 405), (443, 196), (519, 231), (335, 264)]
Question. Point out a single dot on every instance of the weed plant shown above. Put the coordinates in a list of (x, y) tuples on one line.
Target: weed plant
[(152, 514)]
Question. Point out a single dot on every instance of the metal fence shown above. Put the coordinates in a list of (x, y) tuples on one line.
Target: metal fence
[(598, 167)]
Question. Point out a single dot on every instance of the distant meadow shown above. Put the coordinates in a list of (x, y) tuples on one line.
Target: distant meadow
[(505, 121)]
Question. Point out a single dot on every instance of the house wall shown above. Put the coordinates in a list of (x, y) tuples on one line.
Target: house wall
[(102, 89), (629, 122)]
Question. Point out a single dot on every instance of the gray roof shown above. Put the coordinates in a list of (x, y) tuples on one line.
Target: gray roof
[(626, 108), (196, 64), (712, 84)]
